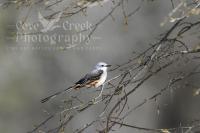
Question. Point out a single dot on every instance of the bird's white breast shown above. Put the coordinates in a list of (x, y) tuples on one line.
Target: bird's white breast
[(102, 79)]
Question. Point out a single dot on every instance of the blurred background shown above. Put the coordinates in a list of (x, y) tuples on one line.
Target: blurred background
[(32, 70)]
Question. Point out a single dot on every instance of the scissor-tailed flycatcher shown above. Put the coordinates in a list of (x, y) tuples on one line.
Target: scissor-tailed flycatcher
[(95, 78)]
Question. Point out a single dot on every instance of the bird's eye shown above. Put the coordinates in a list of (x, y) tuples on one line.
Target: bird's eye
[(102, 65)]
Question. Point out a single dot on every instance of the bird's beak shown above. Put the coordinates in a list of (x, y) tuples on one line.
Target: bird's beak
[(108, 65)]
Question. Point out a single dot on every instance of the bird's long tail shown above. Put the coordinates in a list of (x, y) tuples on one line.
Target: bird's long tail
[(57, 93)]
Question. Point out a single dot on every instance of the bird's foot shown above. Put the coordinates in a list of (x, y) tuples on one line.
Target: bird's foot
[(93, 100)]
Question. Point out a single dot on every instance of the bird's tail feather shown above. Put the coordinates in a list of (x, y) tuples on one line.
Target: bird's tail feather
[(57, 93)]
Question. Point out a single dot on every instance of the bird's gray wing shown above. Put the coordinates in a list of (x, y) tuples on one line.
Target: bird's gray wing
[(90, 77)]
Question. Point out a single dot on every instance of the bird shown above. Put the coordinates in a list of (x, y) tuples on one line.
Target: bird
[(93, 79)]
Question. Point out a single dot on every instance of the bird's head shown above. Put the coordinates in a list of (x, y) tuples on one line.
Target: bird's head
[(102, 66)]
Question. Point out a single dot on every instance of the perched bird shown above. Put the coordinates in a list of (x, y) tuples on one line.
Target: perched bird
[(94, 79)]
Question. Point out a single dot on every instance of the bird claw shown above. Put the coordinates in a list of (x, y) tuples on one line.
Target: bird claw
[(93, 100)]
